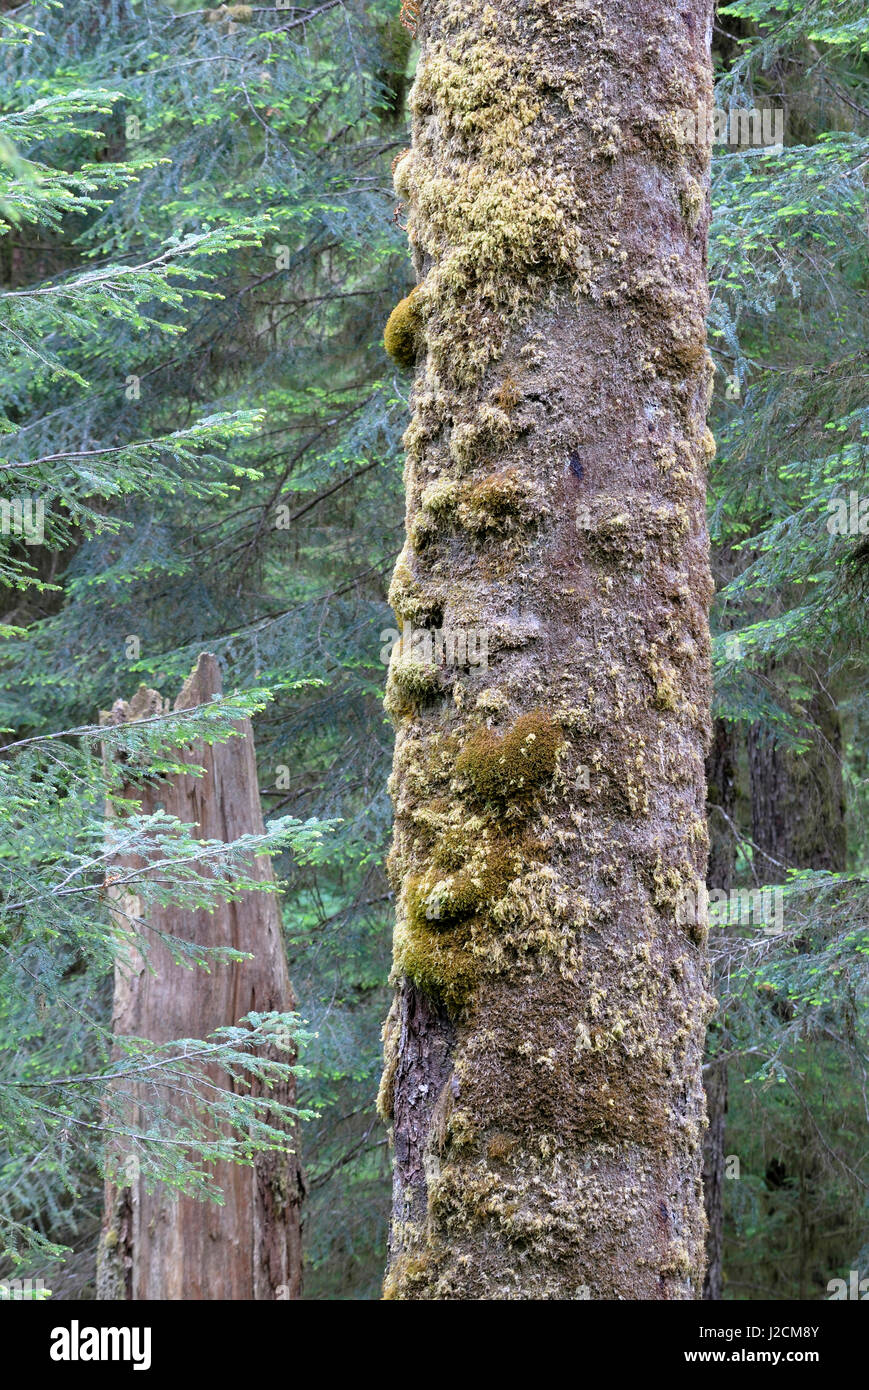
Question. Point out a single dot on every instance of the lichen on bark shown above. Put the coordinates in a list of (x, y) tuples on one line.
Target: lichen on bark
[(543, 1053)]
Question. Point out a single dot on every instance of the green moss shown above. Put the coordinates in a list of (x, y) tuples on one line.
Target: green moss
[(406, 1274), (418, 679), (390, 1038), (441, 497), (473, 439), (410, 682), (443, 965), (692, 199), (452, 928), (401, 168), (494, 222), (664, 677), (500, 503), (491, 700), (462, 1132), (495, 503), (450, 891), (401, 336), (505, 766), (405, 595), (708, 446)]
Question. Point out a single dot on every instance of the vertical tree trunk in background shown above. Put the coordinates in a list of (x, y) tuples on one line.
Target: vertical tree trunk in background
[(798, 821), (721, 803), (715, 1083), (543, 1053), (798, 799), (153, 1247)]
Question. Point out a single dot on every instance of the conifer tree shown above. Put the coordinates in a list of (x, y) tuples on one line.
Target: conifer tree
[(788, 265), (57, 940), (277, 127)]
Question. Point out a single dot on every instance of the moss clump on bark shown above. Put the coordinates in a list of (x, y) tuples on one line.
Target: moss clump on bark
[(441, 498), (495, 222), (446, 895), (495, 503), (444, 965), (401, 167), (692, 200), (410, 683), (465, 914), (487, 432), (515, 763), (401, 336), (408, 1273), (499, 503), (408, 600)]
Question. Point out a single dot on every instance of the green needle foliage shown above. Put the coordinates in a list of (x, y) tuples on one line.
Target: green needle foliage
[(229, 428), (58, 940), (789, 274)]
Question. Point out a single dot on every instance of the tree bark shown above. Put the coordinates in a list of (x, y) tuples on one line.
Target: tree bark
[(152, 1245), (543, 1053), (798, 821), (721, 802), (798, 799)]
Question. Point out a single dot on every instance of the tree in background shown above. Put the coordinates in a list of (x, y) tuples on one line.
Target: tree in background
[(155, 1245)]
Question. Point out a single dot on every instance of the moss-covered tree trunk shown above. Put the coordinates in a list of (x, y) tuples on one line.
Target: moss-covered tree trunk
[(154, 1246), (543, 1053)]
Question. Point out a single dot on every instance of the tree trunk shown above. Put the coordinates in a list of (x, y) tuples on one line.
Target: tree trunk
[(798, 821), (715, 1083), (721, 801), (152, 1245), (798, 799), (543, 1053)]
